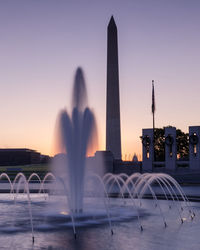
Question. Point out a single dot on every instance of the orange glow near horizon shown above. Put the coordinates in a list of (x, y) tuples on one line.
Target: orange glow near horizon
[(127, 151)]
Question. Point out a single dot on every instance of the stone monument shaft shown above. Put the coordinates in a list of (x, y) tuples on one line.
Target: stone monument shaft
[(113, 131)]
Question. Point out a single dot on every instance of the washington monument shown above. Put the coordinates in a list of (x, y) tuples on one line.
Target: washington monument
[(113, 131)]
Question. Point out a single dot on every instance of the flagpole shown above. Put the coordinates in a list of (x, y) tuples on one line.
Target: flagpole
[(153, 112)]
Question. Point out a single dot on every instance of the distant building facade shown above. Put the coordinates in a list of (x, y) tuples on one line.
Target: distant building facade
[(19, 156)]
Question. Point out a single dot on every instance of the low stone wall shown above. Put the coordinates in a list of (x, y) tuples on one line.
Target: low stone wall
[(127, 167)]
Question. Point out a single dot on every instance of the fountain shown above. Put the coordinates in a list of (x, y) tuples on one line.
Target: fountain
[(75, 137), (70, 204)]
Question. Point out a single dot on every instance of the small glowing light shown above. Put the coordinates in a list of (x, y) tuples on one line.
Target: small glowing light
[(184, 219), (64, 213)]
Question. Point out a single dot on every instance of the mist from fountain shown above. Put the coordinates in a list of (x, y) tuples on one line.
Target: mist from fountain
[(76, 134)]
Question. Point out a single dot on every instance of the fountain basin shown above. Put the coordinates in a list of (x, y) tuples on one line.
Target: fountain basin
[(53, 231)]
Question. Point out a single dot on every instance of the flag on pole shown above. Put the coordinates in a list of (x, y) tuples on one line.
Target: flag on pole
[(153, 98)]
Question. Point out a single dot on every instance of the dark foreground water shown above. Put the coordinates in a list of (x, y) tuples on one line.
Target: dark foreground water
[(54, 230)]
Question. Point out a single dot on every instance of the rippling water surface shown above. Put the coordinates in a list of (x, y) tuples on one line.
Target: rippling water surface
[(52, 229)]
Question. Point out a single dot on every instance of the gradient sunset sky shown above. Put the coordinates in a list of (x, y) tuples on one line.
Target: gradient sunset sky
[(44, 41)]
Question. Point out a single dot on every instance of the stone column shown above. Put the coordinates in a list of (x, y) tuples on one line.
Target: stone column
[(147, 150), (194, 147), (170, 148)]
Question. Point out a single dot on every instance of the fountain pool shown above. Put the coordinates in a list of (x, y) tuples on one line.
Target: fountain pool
[(55, 231)]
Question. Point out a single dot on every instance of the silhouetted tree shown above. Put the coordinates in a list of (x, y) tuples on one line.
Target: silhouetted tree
[(182, 140), (159, 144)]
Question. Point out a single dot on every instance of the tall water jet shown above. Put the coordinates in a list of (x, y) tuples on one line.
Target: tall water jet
[(75, 138)]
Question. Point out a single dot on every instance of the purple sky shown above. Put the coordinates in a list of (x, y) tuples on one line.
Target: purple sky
[(44, 41)]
